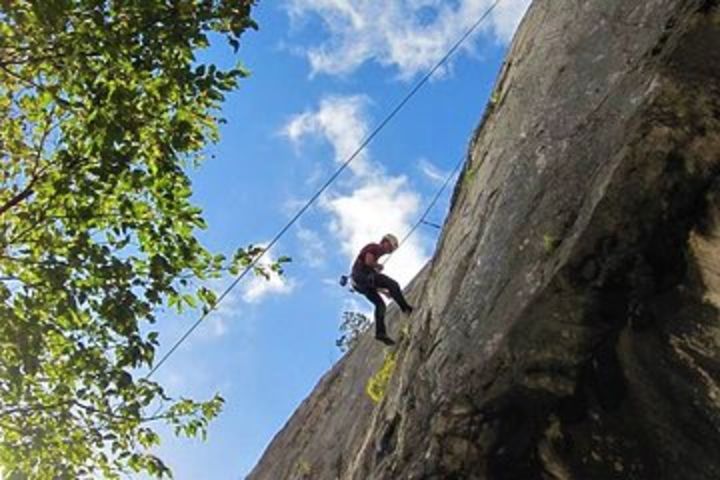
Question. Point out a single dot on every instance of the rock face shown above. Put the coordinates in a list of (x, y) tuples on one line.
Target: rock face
[(568, 324)]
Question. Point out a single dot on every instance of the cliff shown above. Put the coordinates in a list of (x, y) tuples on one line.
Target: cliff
[(567, 326)]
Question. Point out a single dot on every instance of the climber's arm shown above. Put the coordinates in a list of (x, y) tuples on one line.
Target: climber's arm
[(372, 261)]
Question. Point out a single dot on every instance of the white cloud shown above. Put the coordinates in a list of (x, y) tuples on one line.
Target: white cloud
[(313, 248), (408, 35), (174, 381), (432, 172), (218, 326), (227, 314), (258, 287), (374, 203), (378, 206), (341, 121), (330, 282), (353, 305)]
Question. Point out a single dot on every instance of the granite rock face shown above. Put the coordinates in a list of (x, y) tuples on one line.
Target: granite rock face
[(567, 326)]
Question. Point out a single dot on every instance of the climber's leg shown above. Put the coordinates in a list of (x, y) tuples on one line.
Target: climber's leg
[(377, 300), (383, 281)]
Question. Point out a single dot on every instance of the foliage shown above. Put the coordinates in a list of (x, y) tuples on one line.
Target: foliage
[(405, 331), (103, 107), (303, 470), (550, 243), (354, 324), (377, 384), (494, 99)]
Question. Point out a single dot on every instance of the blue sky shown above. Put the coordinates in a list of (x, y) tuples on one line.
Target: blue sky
[(324, 73)]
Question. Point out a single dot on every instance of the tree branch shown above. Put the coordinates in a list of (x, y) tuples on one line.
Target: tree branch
[(20, 197), (36, 174), (29, 408), (117, 416), (87, 408)]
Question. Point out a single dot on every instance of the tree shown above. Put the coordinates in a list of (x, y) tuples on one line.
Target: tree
[(353, 325), (103, 108)]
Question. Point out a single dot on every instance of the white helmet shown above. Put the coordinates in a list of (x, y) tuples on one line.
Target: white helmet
[(392, 240)]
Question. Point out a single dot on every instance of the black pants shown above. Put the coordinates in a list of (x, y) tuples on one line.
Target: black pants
[(368, 284)]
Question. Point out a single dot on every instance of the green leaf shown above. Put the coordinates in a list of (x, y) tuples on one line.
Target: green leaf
[(103, 240)]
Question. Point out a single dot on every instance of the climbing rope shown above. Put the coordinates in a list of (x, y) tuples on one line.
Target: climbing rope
[(346, 279), (422, 219), (324, 187)]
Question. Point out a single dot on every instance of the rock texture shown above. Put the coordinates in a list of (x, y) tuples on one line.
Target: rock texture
[(568, 323)]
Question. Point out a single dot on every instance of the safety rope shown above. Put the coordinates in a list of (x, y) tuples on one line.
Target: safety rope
[(330, 180), (421, 220)]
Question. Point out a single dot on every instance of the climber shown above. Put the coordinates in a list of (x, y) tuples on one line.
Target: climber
[(367, 280)]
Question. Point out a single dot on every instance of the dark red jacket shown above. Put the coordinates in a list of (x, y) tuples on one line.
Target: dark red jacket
[(359, 267)]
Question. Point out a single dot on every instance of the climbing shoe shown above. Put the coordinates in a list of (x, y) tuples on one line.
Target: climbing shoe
[(408, 309), (385, 339)]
